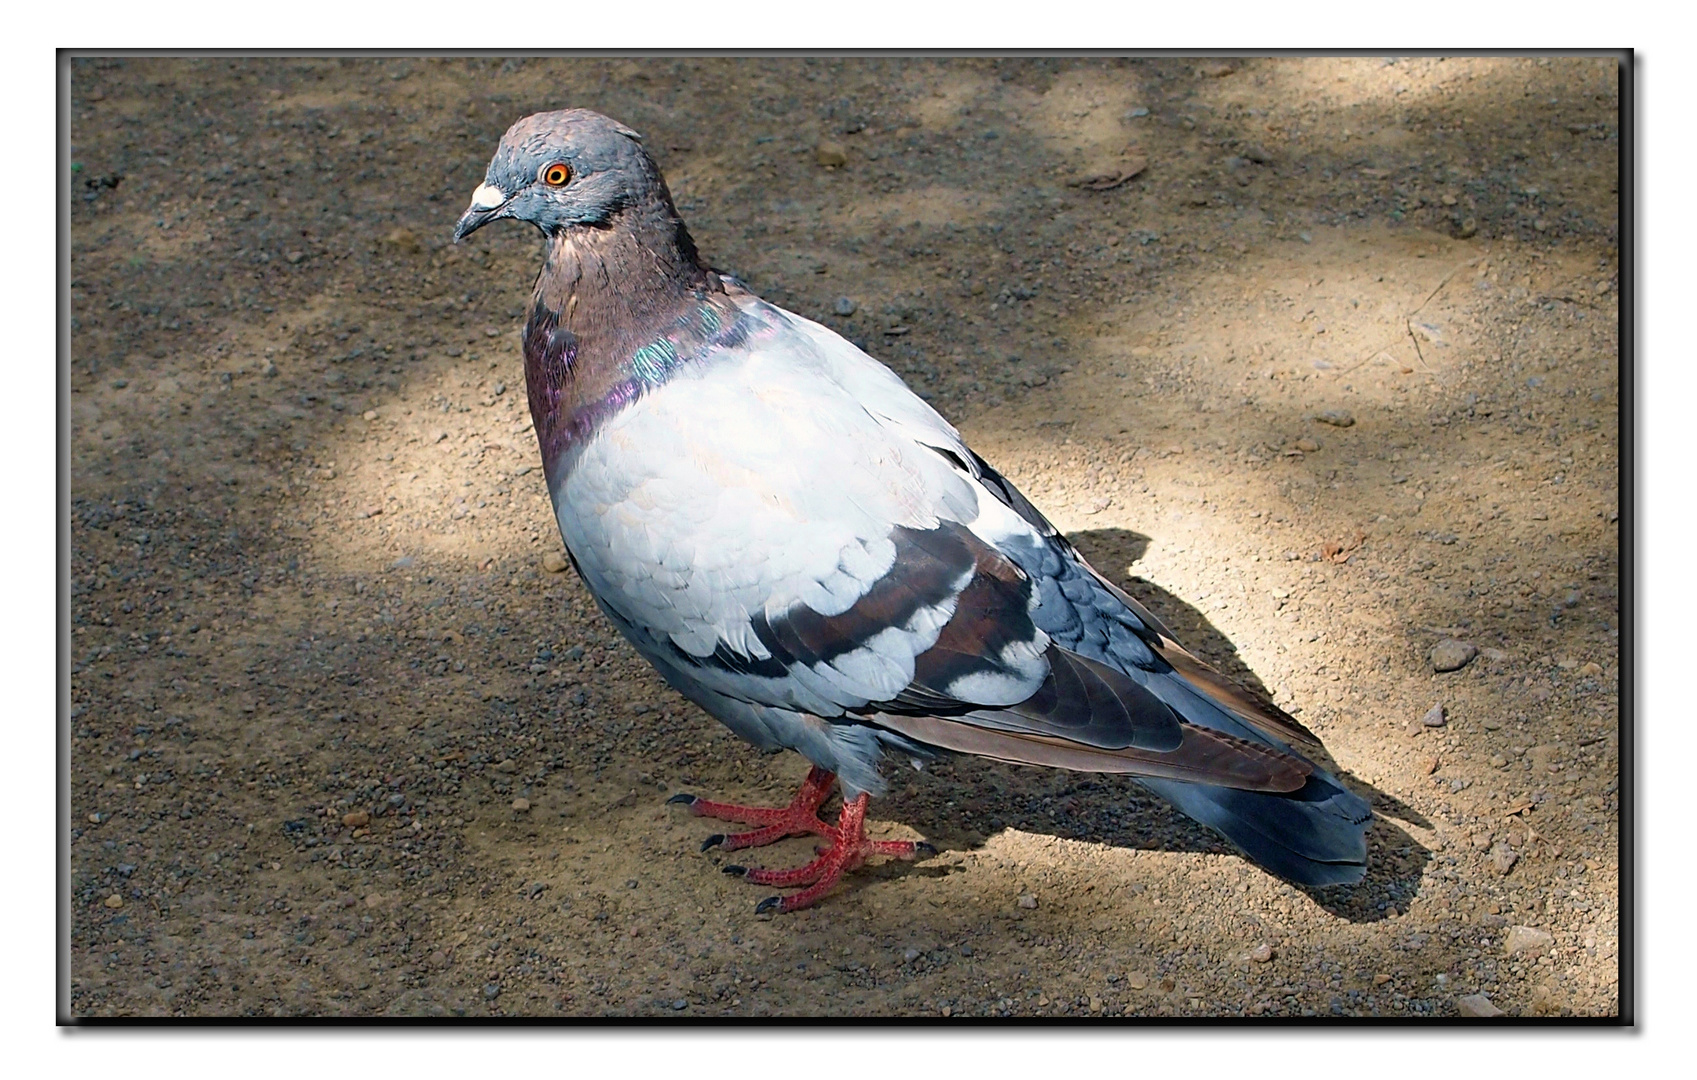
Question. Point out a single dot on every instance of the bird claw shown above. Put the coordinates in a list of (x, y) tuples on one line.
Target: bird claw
[(736, 871), (920, 845), (681, 797), (769, 904), (713, 841)]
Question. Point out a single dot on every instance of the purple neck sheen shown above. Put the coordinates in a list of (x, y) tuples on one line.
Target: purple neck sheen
[(576, 386)]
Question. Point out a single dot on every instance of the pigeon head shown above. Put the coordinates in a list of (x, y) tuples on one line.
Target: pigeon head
[(566, 170)]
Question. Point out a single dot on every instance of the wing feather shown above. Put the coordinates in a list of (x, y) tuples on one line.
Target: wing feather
[(1203, 756), (904, 593)]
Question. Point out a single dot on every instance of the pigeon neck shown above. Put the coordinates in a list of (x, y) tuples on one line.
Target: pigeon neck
[(615, 312), (639, 266)]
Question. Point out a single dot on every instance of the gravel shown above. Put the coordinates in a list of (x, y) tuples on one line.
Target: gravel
[(1184, 337)]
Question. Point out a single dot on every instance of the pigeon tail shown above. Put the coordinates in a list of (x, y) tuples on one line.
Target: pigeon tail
[(1314, 836)]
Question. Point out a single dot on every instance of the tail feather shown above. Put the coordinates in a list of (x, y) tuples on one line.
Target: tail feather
[(1314, 836)]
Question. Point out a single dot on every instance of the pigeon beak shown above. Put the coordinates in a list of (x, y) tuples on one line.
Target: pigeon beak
[(487, 202)]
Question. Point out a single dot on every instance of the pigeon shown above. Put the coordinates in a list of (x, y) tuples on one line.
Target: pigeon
[(807, 550)]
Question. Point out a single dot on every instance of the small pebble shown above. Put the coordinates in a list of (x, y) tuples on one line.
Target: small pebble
[(1434, 717), (114, 901), (1452, 655), (1137, 980), (845, 306), (1526, 939), (1476, 1005), (1503, 858), (521, 805), (355, 819), (830, 154), (554, 562), (1028, 901), (1261, 953), (1336, 417), (404, 240)]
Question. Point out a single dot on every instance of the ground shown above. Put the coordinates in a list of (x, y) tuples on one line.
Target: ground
[(1319, 359)]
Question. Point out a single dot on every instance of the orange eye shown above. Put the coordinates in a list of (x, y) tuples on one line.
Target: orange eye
[(555, 175)]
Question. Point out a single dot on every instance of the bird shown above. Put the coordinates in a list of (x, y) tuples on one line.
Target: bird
[(804, 548)]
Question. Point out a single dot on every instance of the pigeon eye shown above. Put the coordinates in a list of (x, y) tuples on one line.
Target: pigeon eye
[(555, 175)]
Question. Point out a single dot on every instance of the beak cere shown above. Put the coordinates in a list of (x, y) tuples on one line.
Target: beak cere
[(487, 197), (486, 204)]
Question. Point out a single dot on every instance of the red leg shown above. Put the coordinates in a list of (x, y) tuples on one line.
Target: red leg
[(846, 844)]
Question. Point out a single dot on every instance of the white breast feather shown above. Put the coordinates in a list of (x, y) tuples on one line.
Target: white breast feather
[(769, 479)]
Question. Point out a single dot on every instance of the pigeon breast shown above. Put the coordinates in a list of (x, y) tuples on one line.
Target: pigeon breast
[(775, 520)]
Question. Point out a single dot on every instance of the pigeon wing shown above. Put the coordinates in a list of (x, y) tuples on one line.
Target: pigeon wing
[(791, 528)]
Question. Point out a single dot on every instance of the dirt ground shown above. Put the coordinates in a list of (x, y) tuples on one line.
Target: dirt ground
[(1317, 358)]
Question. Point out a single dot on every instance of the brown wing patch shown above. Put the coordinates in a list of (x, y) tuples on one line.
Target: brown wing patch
[(1203, 756), (991, 613)]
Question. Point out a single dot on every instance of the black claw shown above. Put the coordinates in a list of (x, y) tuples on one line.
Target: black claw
[(713, 841), (769, 904), (737, 871), (920, 845), (680, 797)]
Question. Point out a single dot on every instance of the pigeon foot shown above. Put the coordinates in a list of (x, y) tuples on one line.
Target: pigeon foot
[(800, 817), (846, 847)]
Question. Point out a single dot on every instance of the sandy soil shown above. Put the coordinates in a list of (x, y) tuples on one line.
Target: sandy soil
[(346, 742)]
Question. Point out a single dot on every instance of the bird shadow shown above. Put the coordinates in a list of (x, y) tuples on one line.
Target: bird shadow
[(978, 798)]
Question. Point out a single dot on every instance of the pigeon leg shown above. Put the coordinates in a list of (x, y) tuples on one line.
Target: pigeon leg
[(848, 848), (800, 817)]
